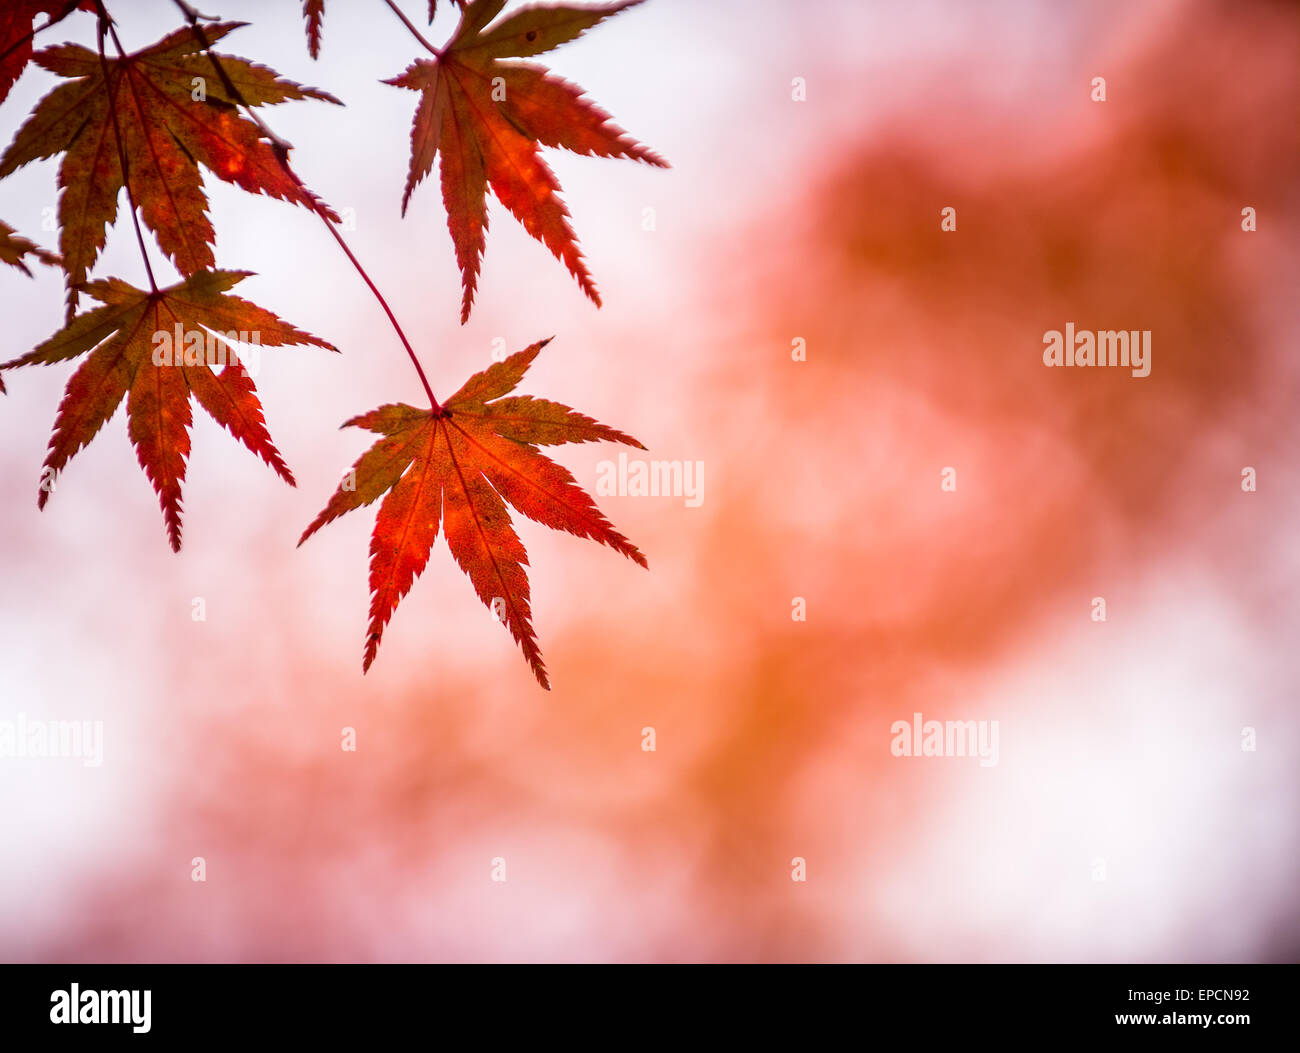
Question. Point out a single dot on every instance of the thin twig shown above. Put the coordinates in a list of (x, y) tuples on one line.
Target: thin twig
[(281, 148), (414, 32), (436, 405), (105, 21)]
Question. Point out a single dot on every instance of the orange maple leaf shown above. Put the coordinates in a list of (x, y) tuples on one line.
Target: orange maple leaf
[(457, 469), (14, 247), (123, 339), (12, 250), (487, 118), (168, 127)]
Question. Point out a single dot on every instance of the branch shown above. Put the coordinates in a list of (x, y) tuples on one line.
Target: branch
[(414, 32), (106, 22), (281, 149)]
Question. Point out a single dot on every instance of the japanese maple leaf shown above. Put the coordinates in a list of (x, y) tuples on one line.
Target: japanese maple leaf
[(487, 119), (314, 12), (13, 248), (166, 131), (457, 469), (16, 18), (121, 338)]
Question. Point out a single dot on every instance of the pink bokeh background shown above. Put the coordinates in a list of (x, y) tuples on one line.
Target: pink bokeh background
[(1120, 742)]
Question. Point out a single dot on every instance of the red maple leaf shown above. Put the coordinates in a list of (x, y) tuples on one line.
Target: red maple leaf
[(313, 11), (487, 119), (168, 126), (122, 339), (455, 470), (16, 31)]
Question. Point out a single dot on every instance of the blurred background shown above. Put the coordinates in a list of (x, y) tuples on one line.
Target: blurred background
[(1123, 821)]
